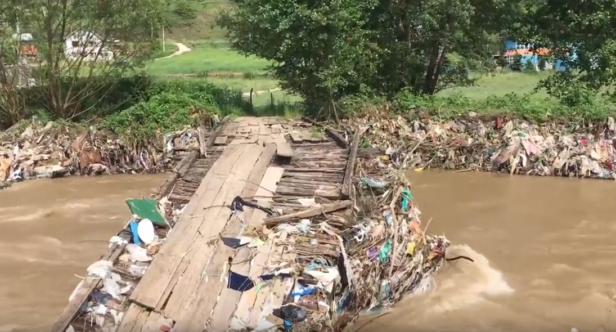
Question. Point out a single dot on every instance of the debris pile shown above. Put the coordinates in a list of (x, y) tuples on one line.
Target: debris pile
[(112, 279), (493, 144), (51, 150), (336, 264)]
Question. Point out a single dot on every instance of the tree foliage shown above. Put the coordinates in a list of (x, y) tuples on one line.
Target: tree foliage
[(580, 34), (111, 38), (325, 50)]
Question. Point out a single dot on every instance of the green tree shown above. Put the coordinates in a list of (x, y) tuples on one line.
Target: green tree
[(83, 46), (580, 34), (181, 13), (325, 50)]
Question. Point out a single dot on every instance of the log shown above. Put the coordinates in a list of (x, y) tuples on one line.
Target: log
[(183, 166), (308, 213), (339, 139), (350, 170)]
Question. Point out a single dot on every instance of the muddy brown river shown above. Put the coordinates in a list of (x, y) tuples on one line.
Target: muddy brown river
[(544, 251)]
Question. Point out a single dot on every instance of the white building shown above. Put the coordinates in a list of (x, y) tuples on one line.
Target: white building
[(86, 45)]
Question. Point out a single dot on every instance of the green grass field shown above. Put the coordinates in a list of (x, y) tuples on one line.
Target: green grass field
[(216, 63), (208, 60)]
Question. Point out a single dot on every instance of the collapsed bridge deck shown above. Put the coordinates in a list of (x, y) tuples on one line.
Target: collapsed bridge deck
[(278, 164)]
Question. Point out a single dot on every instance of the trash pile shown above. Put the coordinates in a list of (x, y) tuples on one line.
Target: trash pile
[(494, 144), (342, 264), (51, 150), (137, 243)]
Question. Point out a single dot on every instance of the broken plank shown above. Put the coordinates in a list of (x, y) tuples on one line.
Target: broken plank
[(214, 219), (308, 213), (206, 272), (295, 137), (283, 149), (350, 169), (168, 265), (241, 263)]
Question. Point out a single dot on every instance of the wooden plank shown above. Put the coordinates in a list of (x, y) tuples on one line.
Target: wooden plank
[(247, 299), (350, 169), (241, 261), (221, 140), (209, 228), (203, 291), (132, 317), (82, 294), (295, 137), (169, 263), (283, 149)]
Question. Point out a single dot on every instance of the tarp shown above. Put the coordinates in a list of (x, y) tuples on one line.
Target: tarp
[(146, 209)]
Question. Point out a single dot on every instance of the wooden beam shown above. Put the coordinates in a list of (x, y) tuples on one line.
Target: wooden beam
[(347, 183), (308, 213)]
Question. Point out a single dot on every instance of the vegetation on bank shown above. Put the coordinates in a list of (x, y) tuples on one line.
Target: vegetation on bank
[(336, 57)]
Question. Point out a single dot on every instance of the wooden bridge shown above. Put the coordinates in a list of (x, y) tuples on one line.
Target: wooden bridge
[(281, 164)]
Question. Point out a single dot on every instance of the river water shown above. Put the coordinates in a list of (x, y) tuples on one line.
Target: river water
[(52, 230), (543, 250)]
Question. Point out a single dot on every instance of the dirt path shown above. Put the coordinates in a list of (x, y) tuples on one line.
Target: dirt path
[(181, 50), (258, 92)]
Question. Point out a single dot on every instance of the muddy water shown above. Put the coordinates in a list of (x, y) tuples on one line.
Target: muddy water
[(52, 230), (544, 250)]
